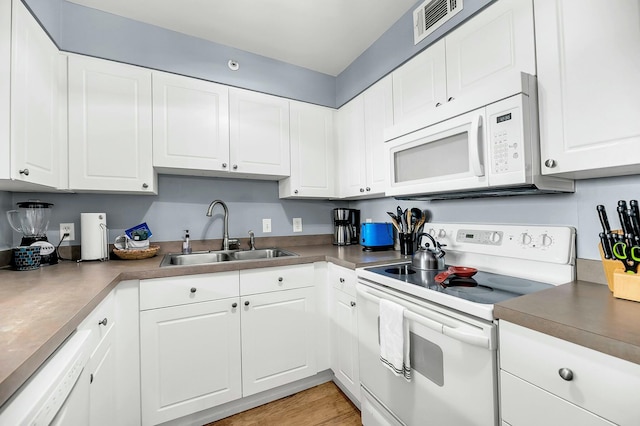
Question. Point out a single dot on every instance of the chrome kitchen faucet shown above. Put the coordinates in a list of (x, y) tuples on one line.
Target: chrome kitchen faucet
[(226, 241)]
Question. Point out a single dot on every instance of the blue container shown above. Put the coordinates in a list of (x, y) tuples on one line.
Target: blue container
[(376, 236), (26, 258)]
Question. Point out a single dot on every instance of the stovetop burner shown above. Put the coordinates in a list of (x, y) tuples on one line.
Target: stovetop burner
[(483, 287)]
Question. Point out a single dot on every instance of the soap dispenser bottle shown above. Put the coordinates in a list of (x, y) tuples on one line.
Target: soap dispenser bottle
[(186, 243)]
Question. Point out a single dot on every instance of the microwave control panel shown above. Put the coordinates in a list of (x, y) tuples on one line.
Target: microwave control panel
[(505, 140)]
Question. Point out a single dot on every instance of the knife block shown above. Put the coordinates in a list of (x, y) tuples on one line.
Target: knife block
[(626, 286)]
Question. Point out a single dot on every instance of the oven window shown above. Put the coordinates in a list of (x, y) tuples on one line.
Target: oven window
[(443, 157), (426, 359)]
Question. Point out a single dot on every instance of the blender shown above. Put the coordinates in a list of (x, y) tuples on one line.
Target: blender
[(32, 220)]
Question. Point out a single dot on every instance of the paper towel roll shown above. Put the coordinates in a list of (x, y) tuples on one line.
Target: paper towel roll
[(93, 236)]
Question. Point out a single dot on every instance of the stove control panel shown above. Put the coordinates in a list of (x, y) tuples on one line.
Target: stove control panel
[(475, 236)]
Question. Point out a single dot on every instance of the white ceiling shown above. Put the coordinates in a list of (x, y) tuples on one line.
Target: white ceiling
[(322, 35)]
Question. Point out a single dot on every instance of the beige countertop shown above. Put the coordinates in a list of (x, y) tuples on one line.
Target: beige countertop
[(40, 309)]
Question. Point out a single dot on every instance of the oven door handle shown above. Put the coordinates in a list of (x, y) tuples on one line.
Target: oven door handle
[(475, 339)]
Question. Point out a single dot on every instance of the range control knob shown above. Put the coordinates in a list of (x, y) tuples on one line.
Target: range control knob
[(525, 239), (495, 237), (442, 233), (431, 232), (545, 240)]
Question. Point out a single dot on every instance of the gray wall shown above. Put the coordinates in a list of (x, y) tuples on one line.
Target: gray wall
[(181, 204)]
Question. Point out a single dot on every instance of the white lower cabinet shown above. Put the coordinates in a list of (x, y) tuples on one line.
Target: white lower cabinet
[(548, 381), (213, 338), (344, 329)]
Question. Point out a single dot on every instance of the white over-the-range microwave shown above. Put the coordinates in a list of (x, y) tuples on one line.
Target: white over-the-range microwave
[(488, 151)]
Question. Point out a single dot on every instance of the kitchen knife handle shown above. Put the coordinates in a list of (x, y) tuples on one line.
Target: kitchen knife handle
[(622, 215), (606, 248), (604, 221), (633, 205), (633, 221)]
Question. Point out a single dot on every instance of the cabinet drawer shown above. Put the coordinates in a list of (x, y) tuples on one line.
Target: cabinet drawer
[(253, 281), (602, 384), (100, 320), (174, 291), (343, 279)]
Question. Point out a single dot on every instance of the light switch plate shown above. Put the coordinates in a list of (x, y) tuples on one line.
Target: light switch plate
[(297, 224), (266, 225)]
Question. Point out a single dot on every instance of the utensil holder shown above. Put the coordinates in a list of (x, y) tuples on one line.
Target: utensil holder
[(626, 286), (407, 241)]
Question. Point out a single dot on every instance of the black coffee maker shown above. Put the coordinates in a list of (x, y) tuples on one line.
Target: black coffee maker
[(346, 226)]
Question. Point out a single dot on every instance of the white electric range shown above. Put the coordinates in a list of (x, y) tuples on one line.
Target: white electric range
[(453, 336)]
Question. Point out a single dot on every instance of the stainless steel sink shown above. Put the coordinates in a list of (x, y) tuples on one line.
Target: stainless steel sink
[(205, 257)]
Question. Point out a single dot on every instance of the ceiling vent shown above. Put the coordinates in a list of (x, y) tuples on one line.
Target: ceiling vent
[(431, 15)]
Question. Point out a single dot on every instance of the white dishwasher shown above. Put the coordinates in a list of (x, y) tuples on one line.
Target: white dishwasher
[(53, 394)]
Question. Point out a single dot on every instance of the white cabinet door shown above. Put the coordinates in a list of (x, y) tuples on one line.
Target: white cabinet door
[(190, 358), (420, 85), (35, 97), (190, 125), (5, 89), (102, 379), (494, 43), (351, 148), (588, 68), (110, 145), (259, 134), (312, 153), (378, 115), (278, 339)]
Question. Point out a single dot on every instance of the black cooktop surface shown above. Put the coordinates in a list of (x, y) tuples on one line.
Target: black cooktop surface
[(483, 287)]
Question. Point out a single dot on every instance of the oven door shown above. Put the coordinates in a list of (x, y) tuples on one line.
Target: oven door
[(453, 364), (444, 157)]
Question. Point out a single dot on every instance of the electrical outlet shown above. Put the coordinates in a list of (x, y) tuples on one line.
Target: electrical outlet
[(297, 224), (68, 228), (266, 225)]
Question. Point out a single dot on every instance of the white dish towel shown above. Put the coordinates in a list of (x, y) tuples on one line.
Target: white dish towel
[(394, 339)]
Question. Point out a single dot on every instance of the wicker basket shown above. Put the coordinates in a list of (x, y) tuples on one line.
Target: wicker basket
[(133, 254)]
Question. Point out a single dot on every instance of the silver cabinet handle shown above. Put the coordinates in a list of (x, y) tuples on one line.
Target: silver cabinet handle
[(246, 303), (295, 192), (193, 289), (235, 167), (450, 99), (234, 305), (361, 189), (280, 279), (550, 163), (341, 280), (224, 165), (566, 374), (368, 189), (438, 104), (24, 172), (145, 186), (353, 303), (103, 322)]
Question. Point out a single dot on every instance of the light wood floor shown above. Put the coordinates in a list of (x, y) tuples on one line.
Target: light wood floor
[(321, 405)]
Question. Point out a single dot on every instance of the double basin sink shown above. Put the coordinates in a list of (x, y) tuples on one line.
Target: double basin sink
[(207, 257)]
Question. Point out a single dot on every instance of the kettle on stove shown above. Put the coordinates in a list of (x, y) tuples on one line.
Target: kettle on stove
[(428, 258)]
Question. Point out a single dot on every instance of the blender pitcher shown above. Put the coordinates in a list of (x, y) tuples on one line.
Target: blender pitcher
[(31, 219)]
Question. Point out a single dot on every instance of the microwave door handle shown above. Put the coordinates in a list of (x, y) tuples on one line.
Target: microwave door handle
[(474, 146)]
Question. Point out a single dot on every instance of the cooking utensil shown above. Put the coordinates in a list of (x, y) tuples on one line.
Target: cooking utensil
[(461, 271), (628, 254), (416, 215), (408, 219)]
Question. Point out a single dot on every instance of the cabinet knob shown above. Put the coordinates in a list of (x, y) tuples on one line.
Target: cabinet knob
[(450, 99), (361, 189), (145, 186), (438, 104), (566, 374), (295, 192), (91, 378), (235, 167), (550, 163), (341, 280), (24, 172), (234, 305), (353, 303), (368, 189), (280, 279), (246, 303), (103, 322), (224, 165), (193, 289)]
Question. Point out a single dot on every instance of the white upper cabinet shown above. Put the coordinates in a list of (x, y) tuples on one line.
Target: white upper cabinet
[(420, 85), (312, 153), (362, 156), (588, 68), (467, 69), (259, 134), (110, 136), (190, 125), (37, 70)]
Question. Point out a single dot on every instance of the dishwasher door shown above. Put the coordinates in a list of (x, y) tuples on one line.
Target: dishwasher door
[(453, 364), (53, 394)]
